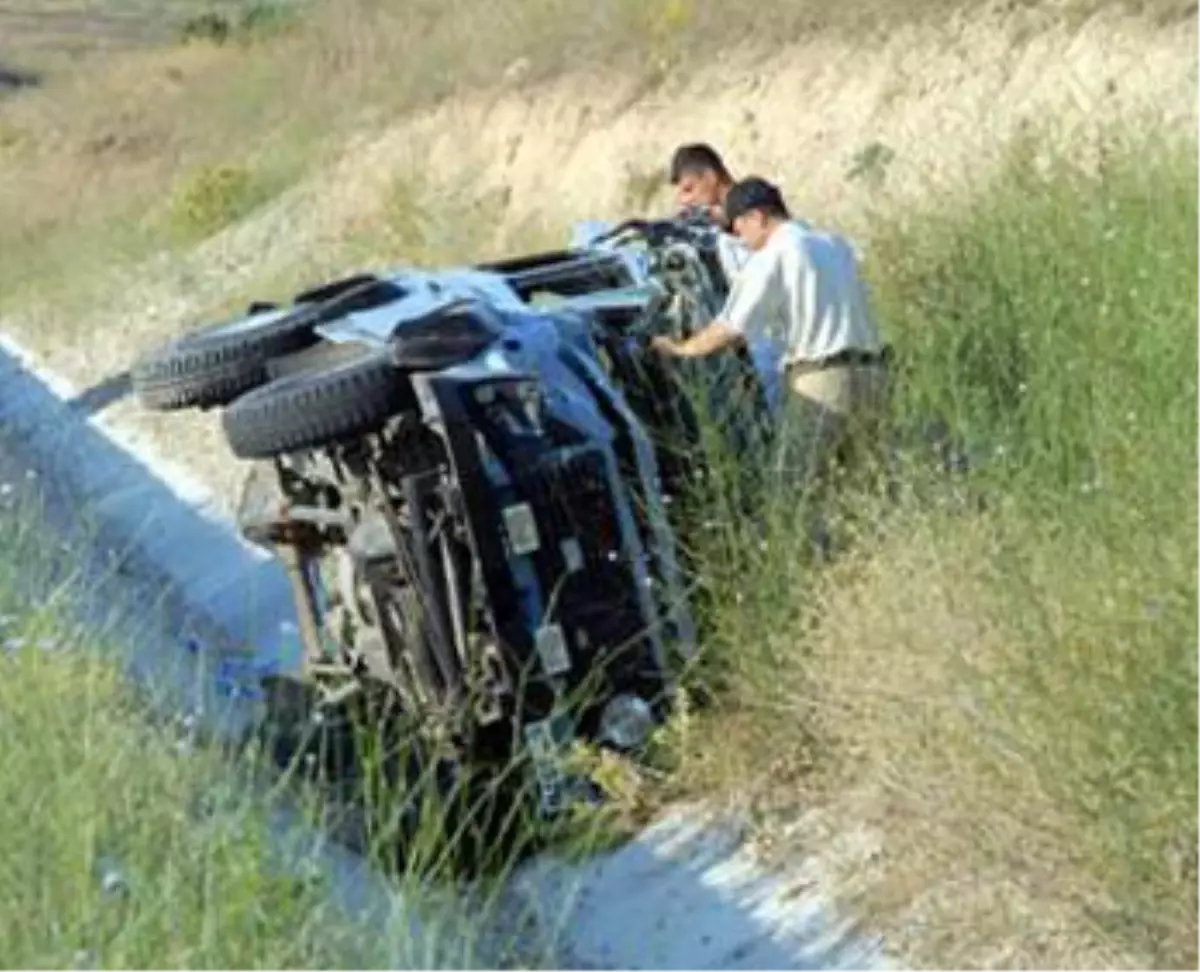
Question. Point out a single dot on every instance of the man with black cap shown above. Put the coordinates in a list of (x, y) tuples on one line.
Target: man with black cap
[(801, 288)]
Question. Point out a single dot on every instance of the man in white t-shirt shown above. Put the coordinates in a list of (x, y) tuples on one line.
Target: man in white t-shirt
[(802, 289), (701, 181)]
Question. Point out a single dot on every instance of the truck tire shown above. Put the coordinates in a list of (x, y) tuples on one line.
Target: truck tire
[(211, 367), (311, 409)]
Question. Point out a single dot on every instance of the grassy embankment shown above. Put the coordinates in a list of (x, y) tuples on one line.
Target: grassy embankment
[(1009, 695), (154, 151)]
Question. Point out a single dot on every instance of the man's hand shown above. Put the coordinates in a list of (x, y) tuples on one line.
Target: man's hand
[(664, 344)]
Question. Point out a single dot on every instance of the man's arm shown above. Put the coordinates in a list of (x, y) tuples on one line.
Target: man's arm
[(743, 314), (708, 340)]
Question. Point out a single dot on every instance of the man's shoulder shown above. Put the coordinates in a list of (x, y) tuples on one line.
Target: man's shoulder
[(731, 242), (790, 243), (805, 239), (793, 234)]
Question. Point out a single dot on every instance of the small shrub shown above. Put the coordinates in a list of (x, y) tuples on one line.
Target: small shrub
[(264, 19), (211, 27), (12, 139), (870, 164), (662, 27), (258, 20), (213, 197)]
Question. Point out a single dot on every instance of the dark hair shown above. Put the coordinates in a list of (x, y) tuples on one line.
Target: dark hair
[(754, 193), (695, 158)]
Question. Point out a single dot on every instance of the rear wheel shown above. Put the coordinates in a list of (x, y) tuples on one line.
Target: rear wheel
[(209, 368)]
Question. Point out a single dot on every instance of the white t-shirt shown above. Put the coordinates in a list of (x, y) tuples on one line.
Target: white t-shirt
[(733, 255), (803, 291), (765, 352)]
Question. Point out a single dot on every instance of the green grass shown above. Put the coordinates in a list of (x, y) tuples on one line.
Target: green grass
[(127, 849), (126, 853), (1008, 695), (1056, 319), (1053, 318), (1015, 689), (252, 22), (131, 841), (134, 840), (212, 197)]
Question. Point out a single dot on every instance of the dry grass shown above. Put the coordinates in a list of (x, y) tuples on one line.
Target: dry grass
[(1008, 698), (93, 162), (989, 700)]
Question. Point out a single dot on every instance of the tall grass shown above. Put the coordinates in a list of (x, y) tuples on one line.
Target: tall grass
[(126, 846), (124, 851), (1052, 321), (134, 839), (1009, 693)]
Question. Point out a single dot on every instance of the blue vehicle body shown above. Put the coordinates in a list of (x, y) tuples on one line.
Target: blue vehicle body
[(468, 482)]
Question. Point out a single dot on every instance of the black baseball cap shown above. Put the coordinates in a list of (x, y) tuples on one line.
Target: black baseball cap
[(752, 193)]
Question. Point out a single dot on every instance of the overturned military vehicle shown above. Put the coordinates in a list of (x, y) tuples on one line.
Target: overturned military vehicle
[(465, 472)]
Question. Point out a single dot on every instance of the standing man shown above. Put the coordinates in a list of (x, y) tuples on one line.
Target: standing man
[(801, 288), (702, 182)]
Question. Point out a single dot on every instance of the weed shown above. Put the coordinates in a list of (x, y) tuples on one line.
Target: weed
[(266, 19), (211, 198), (212, 27), (257, 21), (870, 164), (1014, 691)]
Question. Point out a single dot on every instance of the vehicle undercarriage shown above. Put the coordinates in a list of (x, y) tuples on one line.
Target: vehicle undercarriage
[(467, 475)]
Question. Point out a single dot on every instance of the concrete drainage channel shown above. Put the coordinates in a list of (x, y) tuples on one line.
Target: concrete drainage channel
[(682, 895)]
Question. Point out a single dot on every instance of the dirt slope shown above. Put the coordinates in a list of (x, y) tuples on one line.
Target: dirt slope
[(847, 130)]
